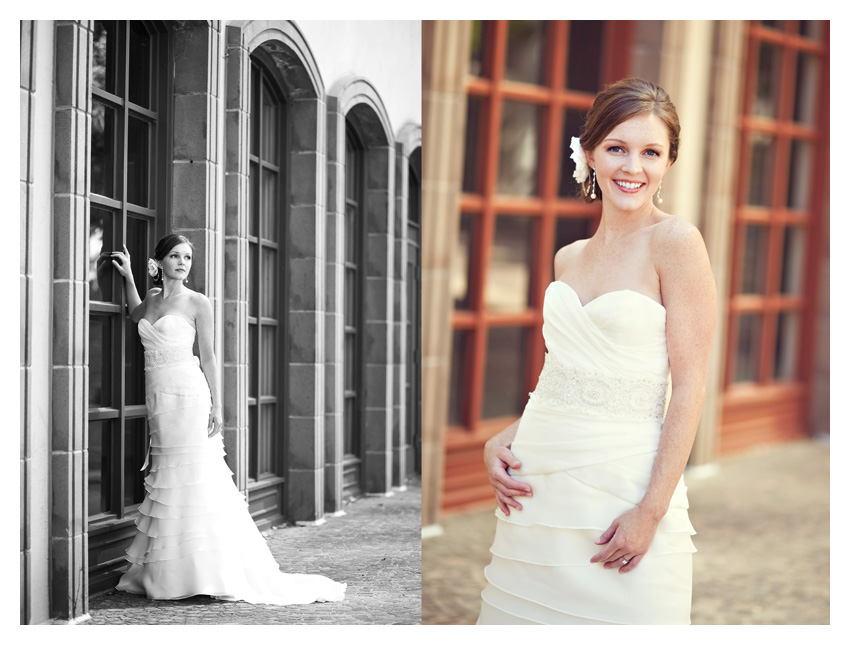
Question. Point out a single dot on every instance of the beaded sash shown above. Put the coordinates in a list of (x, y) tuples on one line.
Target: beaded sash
[(598, 394), (161, 357)]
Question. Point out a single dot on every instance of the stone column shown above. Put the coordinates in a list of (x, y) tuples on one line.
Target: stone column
[(305, 286), (379, 233), (718, 199), (69, 460), (445, 57), (236, 190), (36, 226)]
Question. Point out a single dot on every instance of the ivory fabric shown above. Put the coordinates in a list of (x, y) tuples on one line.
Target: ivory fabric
[(587, 442), (195, 534)]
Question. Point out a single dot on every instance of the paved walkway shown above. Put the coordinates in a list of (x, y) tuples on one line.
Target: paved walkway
[(763, 538), (374, 547)]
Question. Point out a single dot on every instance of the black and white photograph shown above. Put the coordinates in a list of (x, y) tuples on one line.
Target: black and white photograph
[(219, 314)]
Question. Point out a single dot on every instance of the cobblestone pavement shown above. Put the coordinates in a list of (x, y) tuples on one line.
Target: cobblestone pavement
[(374, 547), (762, 522)]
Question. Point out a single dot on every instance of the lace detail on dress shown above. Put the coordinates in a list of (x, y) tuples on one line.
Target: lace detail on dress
[(598, 394), (161, 357)]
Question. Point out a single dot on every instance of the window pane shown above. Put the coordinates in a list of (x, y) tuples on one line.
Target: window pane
[(810, 28), (785, 363), (269, 360), (253, 281), (253, 359), (459, 391), (140, 64), (805, 96), (479, 47), (255, 114), (754, 261), (584, 65), (509, 275), (103, 55), (140, 245), (473, 159), (135, 448), (102, 149), (463, 260), (749, 347), (265, 440), (799, 175), (252, 440), (766, 101), (138, 169), (268, 283), (505, 372), (525, 50), (793, 256), (100, 361), (269, 208), (270, 132), (254, 200), (761, 169), (573, 120), (134, 365), (101, 245), (100, 446), (518, 148)]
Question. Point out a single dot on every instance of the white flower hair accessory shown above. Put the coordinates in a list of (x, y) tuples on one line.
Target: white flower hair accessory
[(153, 268), (582, 171)]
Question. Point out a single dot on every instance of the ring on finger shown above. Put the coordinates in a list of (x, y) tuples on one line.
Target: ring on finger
[(625, 560)]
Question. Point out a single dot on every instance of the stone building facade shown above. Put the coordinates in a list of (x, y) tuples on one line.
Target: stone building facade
[(290, 155)]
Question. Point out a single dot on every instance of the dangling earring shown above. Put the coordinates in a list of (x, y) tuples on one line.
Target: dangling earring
[(658, 193), (593, 185)]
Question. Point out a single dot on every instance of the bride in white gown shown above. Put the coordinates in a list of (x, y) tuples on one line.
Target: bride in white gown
[(195, 535), (593, 524)]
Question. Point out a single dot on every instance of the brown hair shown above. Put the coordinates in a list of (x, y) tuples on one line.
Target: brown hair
[(620, 102)]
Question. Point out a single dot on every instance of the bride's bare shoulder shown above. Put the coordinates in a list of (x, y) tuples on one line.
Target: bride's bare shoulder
[(566, 254)]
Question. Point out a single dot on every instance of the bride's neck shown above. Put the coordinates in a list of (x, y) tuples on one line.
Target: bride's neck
[(171, 288), (615, 224)]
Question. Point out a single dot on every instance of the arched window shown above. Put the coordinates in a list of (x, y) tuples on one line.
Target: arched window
[(353, 315), (266, 305)]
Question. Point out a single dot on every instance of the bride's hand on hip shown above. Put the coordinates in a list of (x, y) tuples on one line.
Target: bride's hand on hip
[(498, 459), (627, 540), (123, 263)]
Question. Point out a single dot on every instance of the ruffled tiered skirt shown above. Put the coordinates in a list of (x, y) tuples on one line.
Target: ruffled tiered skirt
[(585, 471), (195, 534)]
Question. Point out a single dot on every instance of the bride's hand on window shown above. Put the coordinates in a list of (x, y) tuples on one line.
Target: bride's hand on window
[(123, 264), (498, 459)]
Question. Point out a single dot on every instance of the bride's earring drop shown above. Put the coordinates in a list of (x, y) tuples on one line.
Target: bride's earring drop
[(658, 193), (593, 185)]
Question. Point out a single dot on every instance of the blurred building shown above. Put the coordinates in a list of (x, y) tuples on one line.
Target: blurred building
[(290, 154), (502, 100)]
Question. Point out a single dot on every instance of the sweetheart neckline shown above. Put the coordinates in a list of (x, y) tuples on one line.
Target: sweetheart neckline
[(607, 293), (153, 324)]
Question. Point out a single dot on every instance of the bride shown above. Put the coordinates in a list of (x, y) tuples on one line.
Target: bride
[(592, 524), (195, 535)]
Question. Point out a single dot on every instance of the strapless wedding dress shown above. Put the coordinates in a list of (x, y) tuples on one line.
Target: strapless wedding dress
[(195, 535), (587, 442)]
